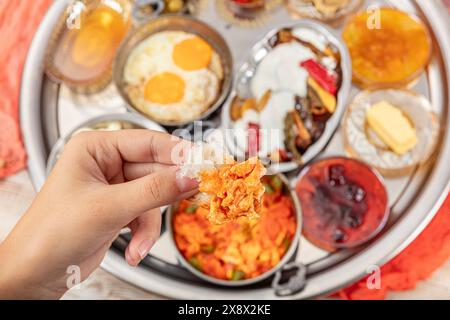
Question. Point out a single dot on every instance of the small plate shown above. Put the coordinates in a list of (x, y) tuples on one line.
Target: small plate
[(360, 142)]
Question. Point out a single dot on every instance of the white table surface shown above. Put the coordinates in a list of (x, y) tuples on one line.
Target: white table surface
[(16, 194)]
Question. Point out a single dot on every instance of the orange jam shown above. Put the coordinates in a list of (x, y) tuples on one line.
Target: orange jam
[(387, 47)]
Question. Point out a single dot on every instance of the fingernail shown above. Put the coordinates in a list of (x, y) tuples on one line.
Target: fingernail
[(144, 248), (128, 257), (185, 184)]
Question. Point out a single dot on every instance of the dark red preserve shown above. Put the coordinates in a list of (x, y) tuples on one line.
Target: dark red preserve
[(344, 203)]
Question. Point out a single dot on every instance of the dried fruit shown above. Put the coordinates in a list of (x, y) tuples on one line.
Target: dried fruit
[(319, 73), (328, 100), (235, 189)]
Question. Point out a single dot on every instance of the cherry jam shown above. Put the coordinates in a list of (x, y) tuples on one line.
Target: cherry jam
[(344, 203)]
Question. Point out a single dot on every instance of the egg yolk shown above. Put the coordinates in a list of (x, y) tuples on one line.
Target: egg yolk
[(192, 54), (164, 88)]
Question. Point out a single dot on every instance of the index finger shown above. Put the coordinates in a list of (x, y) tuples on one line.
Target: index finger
[(141, 145)]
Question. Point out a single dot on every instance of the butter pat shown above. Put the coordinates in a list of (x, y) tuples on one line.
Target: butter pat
[(392, 127)]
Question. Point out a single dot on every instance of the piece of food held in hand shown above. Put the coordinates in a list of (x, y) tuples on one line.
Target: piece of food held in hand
[(241, 249), (235, 190), (229, 190), (293, 94)]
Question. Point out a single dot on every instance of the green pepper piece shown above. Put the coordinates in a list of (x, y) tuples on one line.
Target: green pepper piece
[(268, 188), (209, 249), (286, 243), (191, 208), (237, 275), (276, 183), (195, 263)]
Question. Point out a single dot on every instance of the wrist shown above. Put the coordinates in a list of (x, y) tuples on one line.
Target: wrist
[(17, 282), (7, 278)]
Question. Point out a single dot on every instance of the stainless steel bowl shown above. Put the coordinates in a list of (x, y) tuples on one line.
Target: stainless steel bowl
[(181, 23), (288, 256), (133, 119), (247, 71)]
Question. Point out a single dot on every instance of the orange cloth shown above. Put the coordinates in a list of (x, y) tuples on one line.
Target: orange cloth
[(417, 262), (18, 22)]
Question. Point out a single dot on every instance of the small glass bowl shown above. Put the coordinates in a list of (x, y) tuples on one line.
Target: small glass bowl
[(246, 10), (362, 143), (389, 48), (344, 210), (64, 36), (306, 9)]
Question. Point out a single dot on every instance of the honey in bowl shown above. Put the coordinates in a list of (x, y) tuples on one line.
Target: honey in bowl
[(388, 47), (86, 45)]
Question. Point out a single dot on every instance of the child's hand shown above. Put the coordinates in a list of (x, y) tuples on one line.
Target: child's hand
[(103, 182)]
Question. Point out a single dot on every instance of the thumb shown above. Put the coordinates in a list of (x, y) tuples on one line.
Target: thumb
[(155, 190)]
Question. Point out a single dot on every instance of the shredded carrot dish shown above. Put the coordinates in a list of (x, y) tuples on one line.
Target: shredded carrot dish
[(241, 249), (235, 189)]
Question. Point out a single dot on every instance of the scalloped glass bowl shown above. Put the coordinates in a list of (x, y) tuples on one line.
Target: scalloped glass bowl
[(389, 48), (306, 9), (341, 210), (362, 143), (84, 43)]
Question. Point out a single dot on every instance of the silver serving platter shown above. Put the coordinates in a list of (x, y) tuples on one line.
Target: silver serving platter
[(49, 111)]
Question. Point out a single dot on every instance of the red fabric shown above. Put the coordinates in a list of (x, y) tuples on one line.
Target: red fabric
[(18, 21), (417, 262)]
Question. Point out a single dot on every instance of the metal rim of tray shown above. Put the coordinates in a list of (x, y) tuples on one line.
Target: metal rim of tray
[(406, 229)]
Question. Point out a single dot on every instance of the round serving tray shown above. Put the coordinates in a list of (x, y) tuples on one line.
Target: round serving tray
[(49, 111)]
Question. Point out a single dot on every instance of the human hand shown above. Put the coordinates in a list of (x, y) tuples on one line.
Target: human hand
[(102, 182)]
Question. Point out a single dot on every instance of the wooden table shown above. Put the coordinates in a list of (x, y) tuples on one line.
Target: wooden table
[(16, 194)]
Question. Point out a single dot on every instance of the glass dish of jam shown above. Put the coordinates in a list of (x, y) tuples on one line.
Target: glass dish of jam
[(328, 11), (246, 8), (344, 203), (389, 48)]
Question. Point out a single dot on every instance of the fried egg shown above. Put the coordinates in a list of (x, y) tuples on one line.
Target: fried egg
[(173, 76)]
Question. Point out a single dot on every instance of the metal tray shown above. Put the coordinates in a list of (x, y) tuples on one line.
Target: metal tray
[(48, 111)]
